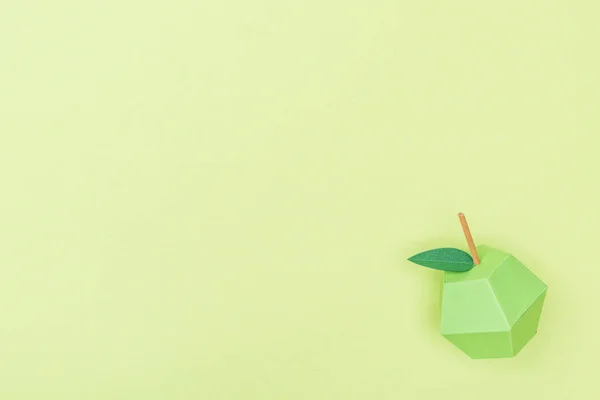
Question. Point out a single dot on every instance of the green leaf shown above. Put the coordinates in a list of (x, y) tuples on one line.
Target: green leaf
[(445, 259)]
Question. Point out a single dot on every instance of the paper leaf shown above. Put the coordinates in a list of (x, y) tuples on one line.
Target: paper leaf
[(445, 259)]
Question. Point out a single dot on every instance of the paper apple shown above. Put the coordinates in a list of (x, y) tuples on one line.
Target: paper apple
[(491, 303)]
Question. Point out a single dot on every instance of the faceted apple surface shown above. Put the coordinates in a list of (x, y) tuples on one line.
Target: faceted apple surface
[(493, 310)]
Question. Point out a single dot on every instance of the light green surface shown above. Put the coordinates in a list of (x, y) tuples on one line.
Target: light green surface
[(471, 307), (215, 200), (481, 307)]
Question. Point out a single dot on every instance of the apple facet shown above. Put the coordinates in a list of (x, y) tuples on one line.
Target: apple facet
[(493, 310)]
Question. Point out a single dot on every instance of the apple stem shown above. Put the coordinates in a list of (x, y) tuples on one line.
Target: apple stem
[(467, 231)]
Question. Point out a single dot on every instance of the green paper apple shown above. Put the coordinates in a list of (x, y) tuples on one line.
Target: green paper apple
[(490, 309)]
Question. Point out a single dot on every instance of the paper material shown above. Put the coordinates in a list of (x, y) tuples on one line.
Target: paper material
[(493, 310), (445, 259)]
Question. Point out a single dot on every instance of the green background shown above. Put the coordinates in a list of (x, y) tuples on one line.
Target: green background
[(215, 200)]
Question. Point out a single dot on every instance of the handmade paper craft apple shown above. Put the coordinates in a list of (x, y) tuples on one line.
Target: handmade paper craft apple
[(491, 303)]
